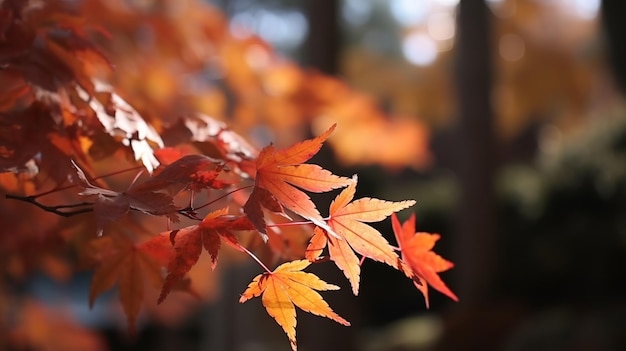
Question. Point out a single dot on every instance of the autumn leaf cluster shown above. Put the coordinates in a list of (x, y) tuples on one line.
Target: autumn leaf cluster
[(136, 184)]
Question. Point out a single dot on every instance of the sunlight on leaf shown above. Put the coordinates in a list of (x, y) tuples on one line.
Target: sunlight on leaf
[(288, 287)]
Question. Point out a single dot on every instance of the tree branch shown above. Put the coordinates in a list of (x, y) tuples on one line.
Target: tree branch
[(57, 210)]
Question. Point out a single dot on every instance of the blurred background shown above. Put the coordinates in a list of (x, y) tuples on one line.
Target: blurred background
[(504, 119)]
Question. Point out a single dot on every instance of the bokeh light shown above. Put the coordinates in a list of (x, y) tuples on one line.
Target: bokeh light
[(419, 49)]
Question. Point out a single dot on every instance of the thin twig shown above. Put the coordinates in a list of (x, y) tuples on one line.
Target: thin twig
[(51, 191), (256, 259), (53, 209), (223, 196)]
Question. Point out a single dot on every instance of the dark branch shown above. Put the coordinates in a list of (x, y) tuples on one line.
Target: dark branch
[(57, 210), (80, 204), (189, 213)]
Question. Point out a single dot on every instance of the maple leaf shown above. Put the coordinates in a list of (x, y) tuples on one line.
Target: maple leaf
[(193, 172), (231, 146), (111, 205), (287, 286), (121, 119), (189, 241), (348, 219), (416, 251), (168, 155), (279, 173), (127, 264)]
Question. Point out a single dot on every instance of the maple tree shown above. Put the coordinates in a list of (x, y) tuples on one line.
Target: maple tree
[(69, 142)]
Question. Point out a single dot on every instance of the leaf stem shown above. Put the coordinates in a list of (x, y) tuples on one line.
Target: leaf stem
[(135, 179), (223, 196), (255, 258)]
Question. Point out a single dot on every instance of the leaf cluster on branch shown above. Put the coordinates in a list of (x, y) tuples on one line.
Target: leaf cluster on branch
[(69, 140)]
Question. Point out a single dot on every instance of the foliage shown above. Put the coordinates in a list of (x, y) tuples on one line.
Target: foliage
[(74, 123)]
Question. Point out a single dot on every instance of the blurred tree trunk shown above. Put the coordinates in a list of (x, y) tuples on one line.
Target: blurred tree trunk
[(324, 39), (476, 214), (612, 16), (321, 52)]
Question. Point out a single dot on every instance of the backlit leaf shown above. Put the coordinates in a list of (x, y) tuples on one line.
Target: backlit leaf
[(189, 241), (282, 172), (288, 287), (417, 251), (347, 219)]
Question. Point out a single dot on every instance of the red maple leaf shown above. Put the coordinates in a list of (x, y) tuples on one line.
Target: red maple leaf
[(193, 172), (188, 243), (127, 264), (417, 251)]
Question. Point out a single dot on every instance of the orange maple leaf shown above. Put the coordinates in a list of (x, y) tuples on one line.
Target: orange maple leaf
[(416, 251), (189, 241), (128, 264), (288, 286), (347, 220), (279, 174)]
